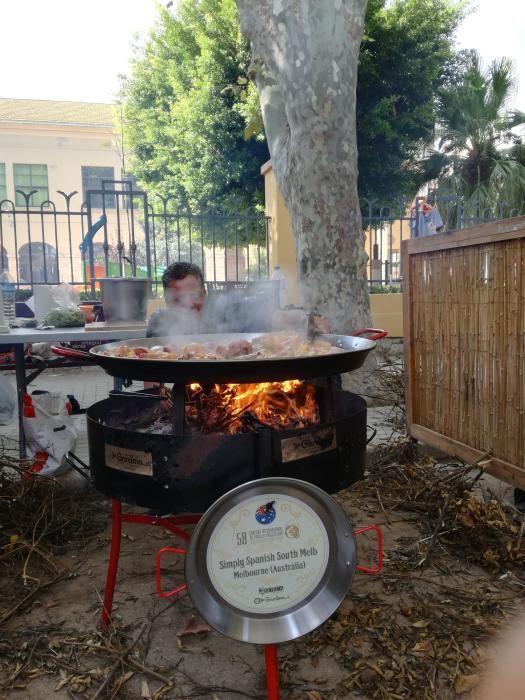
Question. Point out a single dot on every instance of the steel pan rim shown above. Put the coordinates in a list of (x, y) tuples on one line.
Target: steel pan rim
[(305, 616), (232, 370), (360, 345)]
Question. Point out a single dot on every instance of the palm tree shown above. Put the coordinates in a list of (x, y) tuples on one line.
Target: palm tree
[(479, 159)]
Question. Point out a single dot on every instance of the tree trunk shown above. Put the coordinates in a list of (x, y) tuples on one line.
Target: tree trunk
[(304, 57)]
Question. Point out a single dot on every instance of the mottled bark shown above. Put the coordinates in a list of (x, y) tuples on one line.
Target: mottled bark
[(305, 55)]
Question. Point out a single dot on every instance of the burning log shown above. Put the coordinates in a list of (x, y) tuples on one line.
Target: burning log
[(228, 409), (237, 408)]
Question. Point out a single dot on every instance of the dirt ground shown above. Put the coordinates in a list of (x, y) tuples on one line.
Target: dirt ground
[(451, 577)]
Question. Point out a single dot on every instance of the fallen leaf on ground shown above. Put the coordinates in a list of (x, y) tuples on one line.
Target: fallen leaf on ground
[(421, 624), (194, 626)]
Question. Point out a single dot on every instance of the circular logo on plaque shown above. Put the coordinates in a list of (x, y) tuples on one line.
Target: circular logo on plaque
[(291, 531), (265, 514)]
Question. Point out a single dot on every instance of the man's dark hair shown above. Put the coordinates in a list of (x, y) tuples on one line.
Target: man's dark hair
[(180, 270)]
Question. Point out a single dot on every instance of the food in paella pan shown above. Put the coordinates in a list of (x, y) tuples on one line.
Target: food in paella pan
[(268, 346)]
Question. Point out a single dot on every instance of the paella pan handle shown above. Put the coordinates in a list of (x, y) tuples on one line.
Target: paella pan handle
[(372, 333), (178, 589), (71, 353), (375, 569)]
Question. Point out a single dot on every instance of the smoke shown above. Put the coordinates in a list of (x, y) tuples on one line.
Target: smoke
[(256, 309), (234, 311)]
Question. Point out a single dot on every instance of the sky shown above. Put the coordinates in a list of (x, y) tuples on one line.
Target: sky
[(67, 49), (497, 28), (72, 50)]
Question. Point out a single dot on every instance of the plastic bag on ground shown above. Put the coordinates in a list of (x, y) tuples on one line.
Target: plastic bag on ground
[(49, 430), (7, 400)]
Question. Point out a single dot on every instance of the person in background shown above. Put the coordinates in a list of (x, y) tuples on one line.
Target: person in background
[(425, 220), (185, 298), (190, 311)]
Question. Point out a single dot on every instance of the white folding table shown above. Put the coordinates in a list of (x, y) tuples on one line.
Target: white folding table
[(18, 337)]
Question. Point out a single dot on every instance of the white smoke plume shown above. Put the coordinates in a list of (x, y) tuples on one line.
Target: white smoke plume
[(235, 311)]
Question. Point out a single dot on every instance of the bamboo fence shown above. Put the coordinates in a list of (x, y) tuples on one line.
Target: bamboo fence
[(464, 322)]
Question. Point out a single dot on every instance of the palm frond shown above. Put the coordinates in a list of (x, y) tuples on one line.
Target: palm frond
[(474, 132)]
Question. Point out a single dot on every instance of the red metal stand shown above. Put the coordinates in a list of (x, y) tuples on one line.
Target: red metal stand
[(375, 569), (272, 671), (172, 524), (178, 589), (169, 522)]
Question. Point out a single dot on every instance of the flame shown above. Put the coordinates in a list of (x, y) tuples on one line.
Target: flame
[(236, 408)]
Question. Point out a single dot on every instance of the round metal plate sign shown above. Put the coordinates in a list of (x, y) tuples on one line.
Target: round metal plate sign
[(266, 557), (270, 561)]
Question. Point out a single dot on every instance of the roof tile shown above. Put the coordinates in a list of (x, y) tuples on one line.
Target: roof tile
[(56, 112)]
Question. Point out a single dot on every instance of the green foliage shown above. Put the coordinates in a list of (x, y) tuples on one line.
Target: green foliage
[(183, 120), (23, 294), (192, 117), (480, 159), (89, 296), (64, 318), (385, 289), (406, 55)]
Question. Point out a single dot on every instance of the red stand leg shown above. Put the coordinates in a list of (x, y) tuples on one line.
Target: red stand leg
[(272, 671), (171, 523), (116, 535)]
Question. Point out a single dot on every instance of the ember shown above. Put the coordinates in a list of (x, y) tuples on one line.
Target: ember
[(238, 408)]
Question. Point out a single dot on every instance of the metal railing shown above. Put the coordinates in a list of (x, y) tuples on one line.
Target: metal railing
[(118, 231), (387, 226)]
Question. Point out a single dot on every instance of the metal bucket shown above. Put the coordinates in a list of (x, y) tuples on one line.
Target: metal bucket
[(125, 298)]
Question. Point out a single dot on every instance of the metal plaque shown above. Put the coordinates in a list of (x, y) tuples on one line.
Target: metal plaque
[(309, 444), (271, 560), (126, 460)]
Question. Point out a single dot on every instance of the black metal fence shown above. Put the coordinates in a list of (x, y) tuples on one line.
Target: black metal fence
[(118, 231), (387, 226)]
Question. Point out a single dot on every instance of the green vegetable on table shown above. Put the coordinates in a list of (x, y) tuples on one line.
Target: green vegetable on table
[(64, 318)]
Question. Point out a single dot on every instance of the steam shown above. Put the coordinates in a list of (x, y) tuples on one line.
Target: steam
[(235, 311)]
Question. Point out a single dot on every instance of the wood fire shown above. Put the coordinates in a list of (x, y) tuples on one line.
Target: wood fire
[(238, 408)]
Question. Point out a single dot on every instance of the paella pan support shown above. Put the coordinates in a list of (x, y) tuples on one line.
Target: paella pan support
[(306, 599), (178, 397)]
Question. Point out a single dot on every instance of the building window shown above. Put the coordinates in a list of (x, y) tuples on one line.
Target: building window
[(92, 178), (3, 185), (28, 178), (395, 265), (37, 262)]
